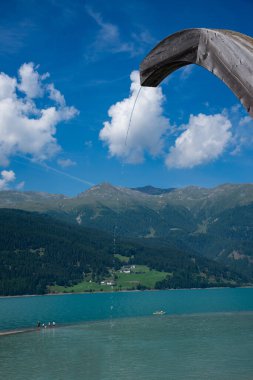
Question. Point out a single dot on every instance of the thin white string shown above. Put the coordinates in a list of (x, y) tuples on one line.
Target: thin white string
[(130, 119)]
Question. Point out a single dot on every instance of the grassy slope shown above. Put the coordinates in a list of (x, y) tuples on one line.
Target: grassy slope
[(141, 275)]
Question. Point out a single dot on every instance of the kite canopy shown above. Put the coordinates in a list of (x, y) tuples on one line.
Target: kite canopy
[(227, 54)]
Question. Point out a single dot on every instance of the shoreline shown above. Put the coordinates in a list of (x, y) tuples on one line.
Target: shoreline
[(28, 330), (25, 330), (123, 291), (18, 331)]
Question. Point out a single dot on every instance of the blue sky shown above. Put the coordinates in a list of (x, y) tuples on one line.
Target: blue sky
[(64, 64)]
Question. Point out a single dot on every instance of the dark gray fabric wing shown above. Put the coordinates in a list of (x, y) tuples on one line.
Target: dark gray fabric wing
[(227, 54)]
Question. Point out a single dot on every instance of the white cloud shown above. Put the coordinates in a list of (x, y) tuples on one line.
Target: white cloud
[(13, 37), (66, 163), (186, 71), (7, 176), (204, 139), (108, 32), (144, 36), (31, 81), (20, 185), (55, 95), (246, 120), (148, 127), (242, 130), (109, 39), (88, 144), (25, 128), (7, 87), (236, 108)]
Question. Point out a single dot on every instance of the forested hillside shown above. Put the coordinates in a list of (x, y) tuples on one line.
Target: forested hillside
[(38, 251)]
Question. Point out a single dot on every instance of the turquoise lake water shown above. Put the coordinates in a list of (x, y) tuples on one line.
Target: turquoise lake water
[(205, 334)]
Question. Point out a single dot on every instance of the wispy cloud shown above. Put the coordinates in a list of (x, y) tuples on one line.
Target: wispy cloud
[(11, 40), (246, 120), (242, 130), (144, 37), (186, 71), (20, 185), (65, 163), (13, 37), (88, 144), (109, 39)]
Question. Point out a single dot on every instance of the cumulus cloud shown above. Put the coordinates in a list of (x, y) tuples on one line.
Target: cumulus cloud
[(204, 139), (148, 129), (200, 141), (7, 86), (55, 95), (31, 81), (7, 176), (66, 163), (25, 128)]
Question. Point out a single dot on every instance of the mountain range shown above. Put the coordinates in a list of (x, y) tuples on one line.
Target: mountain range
[(214, 223)]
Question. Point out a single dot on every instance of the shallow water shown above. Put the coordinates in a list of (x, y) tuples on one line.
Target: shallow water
[(204, 346), (26, 311), (206, 334)]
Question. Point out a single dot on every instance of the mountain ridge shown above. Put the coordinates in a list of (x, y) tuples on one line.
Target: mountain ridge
[(185, 217), (201, 202)]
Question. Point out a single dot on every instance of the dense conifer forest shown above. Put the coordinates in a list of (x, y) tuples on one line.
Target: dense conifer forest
[(37, 250)]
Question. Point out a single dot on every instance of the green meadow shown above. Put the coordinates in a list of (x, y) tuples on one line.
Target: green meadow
[(141, 277)]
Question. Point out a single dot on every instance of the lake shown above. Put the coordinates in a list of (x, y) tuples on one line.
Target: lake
[(205, 334)]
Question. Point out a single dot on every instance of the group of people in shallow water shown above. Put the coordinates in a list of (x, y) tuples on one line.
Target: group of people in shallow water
[(44, 325)]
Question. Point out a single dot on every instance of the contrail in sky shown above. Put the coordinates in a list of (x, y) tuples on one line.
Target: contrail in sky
[(45, 166)]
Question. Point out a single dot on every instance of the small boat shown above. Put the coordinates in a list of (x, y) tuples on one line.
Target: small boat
[(159, 312)]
